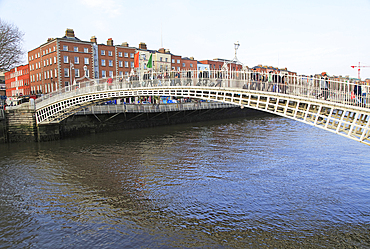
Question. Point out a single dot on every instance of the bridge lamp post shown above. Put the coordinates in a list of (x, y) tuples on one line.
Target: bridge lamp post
[(236, 47)]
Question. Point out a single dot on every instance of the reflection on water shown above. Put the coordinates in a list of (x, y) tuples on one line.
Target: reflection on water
[(259, 182)]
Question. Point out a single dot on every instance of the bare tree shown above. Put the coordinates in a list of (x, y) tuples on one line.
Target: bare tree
[(11, 51)]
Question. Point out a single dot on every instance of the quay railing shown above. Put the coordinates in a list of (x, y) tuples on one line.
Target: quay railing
[(120, 108), (339, 90)]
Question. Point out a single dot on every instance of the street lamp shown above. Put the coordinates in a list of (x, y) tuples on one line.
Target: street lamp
[(236, 46)]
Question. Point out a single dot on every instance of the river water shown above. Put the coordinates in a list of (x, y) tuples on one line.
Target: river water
[(262, 182)]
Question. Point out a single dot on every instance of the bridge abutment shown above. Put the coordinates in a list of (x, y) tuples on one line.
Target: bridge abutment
[(20, 125)]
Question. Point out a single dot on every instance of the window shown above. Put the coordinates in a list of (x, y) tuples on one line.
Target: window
[(183, 64), (49, 50), (86, 61), (44, 75), (103, 74), (66, 83), (178, 68), (36, 66), (173, 60), (65, 59), (110, 63), (110, 73), (160, 58), (144, 56), (126, 63), (120, 73), (44, 63), (191, 64), (65, 48), (126, 55), (103, 52), (120, 63), (86, 50), (103, 63), (51, 73), (48, 74), (166, 59), (75, 49), (54, 48), (77, 72), (66, 72), (55, 59), (77, 60), (119, 54), (132, 64), (55, 72), (178, 61), (110, 53), (51, 61), (132, 55)]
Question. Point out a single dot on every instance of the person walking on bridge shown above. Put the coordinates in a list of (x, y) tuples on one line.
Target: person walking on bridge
[(324, 86)]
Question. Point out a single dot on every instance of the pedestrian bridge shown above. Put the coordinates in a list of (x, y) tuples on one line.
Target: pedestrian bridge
[(333, 107)]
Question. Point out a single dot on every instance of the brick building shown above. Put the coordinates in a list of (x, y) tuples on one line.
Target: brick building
[(17, 81), (216, 64), (63, 61), (188, 63)]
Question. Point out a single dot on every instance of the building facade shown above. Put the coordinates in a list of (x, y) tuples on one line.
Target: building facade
[(17, 82), (65, 61)]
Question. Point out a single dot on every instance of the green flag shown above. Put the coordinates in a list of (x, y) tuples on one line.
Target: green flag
[(150, 62)]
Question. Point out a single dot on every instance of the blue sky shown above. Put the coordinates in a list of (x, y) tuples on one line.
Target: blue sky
[(307, 37)]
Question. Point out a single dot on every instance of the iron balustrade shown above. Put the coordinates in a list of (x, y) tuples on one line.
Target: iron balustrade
[(338, 90)]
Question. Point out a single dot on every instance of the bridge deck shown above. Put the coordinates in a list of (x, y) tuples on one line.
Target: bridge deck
[(333, 109)]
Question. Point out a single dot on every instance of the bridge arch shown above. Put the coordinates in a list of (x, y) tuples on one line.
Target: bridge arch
[(340, 118)]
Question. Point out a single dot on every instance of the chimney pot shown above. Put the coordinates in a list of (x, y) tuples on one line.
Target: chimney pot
[(70, 33)]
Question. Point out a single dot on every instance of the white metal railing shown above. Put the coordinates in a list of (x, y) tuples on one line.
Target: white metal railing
[(105, 109), (342, 91)]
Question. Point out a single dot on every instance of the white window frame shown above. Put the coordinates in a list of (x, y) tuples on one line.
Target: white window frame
[(103, 74), (77, 60), (126, 55), (86, 50), (86, 61), (65, 48), (103, 63), (102, 52), (110, 73), (110, 53), (77, 72), (126, 63), (120, 63), (66, 72), (65, 59), (75, 49), (110, 63)]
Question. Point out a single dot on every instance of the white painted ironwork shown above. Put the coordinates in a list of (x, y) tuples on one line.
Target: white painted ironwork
[(301, 98)]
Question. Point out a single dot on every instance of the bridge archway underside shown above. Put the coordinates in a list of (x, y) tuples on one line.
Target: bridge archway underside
[(349, 121)]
